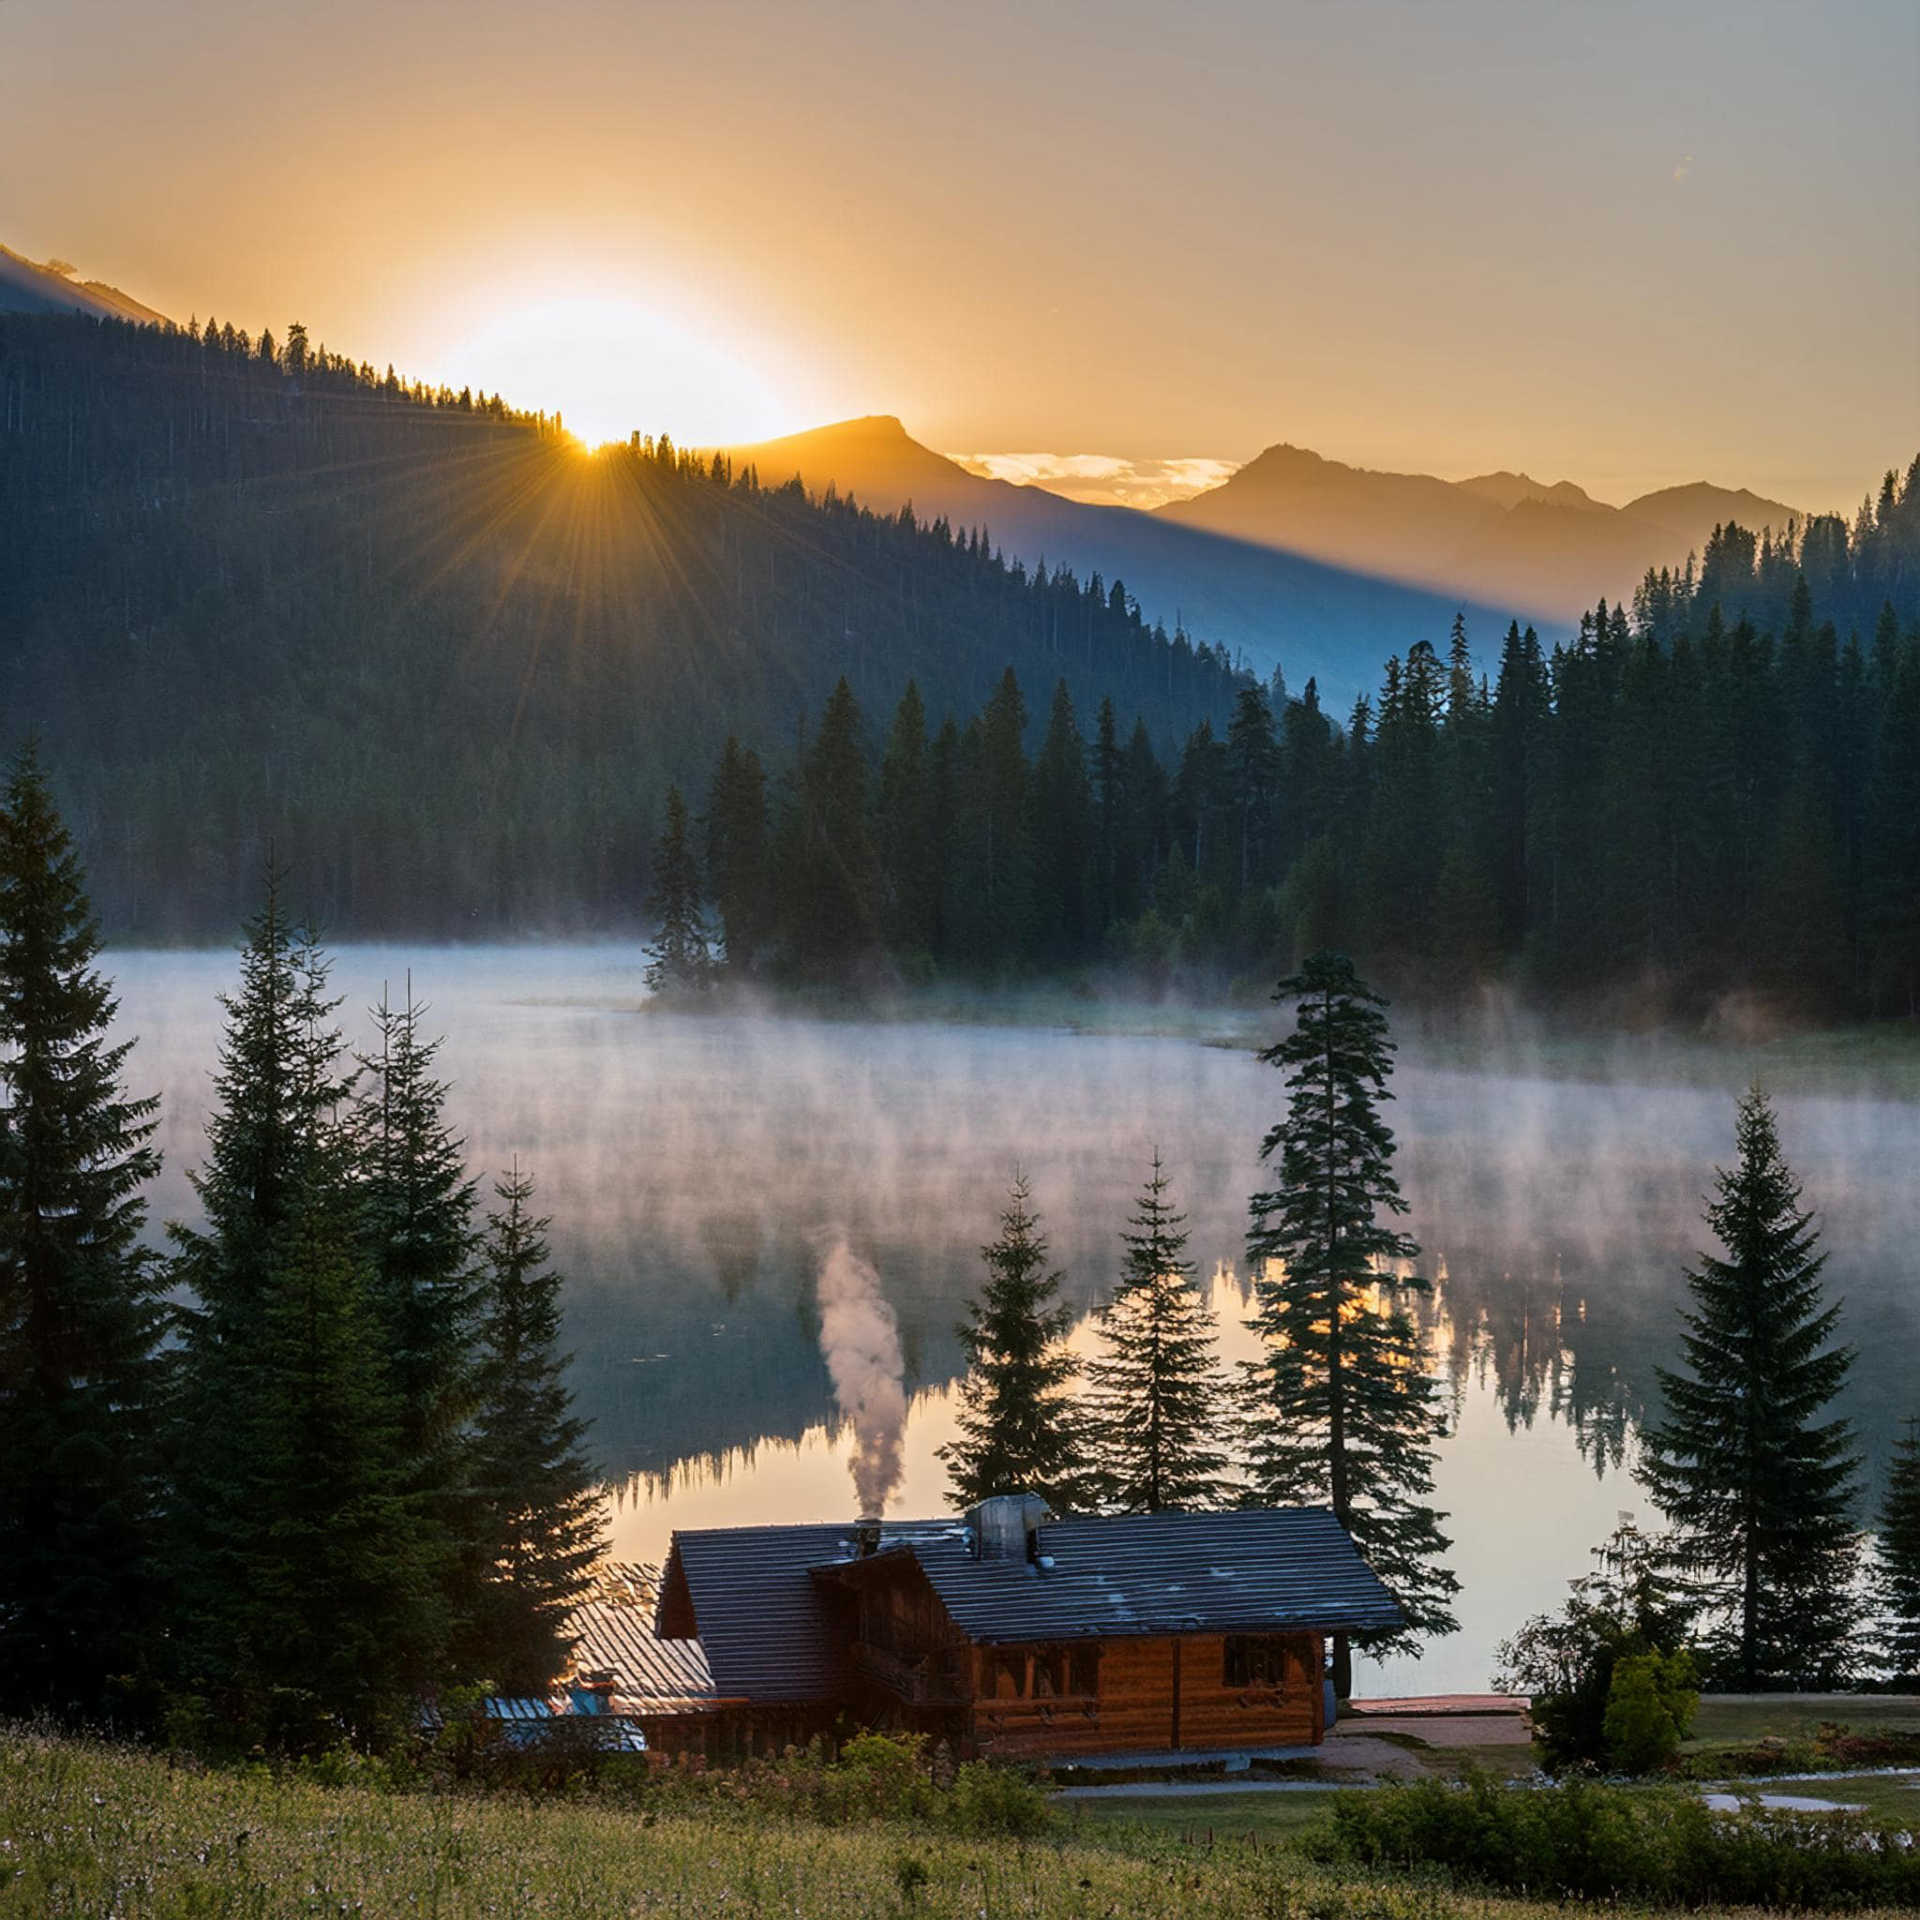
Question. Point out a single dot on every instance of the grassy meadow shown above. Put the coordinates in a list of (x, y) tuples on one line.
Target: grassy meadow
[(92, 1830)]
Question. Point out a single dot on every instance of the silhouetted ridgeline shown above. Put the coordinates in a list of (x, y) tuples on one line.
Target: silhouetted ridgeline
[(445, 664)]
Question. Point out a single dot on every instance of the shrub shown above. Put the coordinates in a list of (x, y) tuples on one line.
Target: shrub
[(1650, 1703), (879, 1776), (1586, 1841), (987, 1799), (1625, 1612)]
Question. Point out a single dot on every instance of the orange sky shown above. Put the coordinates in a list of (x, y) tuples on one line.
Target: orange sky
[(1626, 244)]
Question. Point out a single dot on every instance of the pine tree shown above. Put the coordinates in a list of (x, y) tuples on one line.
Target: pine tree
[(1253, 758), (1344, 1410), (334, 1621), (79, 1297), (835, 919), (1061, 833), (1899, 1557), (679, 959), (1018, 1427), (1109, 794), (904, 831), (1758, 1485), (538, 1515), (310, 1607), (1154, 1414), (277, 1092), (415, 1207), (737, 855)]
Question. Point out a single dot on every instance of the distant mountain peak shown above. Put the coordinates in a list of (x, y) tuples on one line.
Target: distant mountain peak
[(1700, 498), (53, 286), (1509, 490), (1502, 537), (869, 426)]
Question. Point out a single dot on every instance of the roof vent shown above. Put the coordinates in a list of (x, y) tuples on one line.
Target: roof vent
[(1005, 1527)]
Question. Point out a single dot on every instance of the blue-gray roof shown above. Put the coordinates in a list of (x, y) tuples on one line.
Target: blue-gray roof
[(1256, 1570), (758, 1615)]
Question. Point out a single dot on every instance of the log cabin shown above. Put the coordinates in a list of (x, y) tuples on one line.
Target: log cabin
[(1011, 1634)]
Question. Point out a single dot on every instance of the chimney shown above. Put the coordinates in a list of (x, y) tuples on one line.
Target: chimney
[(866, 1536), (1006, 1526)]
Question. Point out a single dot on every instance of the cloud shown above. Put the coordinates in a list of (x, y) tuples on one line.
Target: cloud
[(1101, 479)]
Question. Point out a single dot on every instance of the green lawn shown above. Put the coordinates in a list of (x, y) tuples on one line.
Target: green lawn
[(1788, 1716), (1885, 1796)]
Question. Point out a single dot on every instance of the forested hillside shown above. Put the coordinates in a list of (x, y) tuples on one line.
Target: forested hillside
[(1311, 617), (447, 667), (253, 594), (1717, 791)]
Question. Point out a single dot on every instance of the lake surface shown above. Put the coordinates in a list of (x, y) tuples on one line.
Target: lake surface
[(699, 1167)]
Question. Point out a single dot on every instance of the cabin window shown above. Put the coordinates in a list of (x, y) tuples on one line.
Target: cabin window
[(1255, 1660), (1070, 1671), (1009, 1676), (1083, 1671)]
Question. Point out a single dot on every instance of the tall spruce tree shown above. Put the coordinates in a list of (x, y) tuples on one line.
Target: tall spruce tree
[(337, 1618), (1061, 833), (1154, 1406), (79, 1297), (737, 855), (1757, 1482), (903, 832), (835, 918), (539, 1526), (1343, 1408), (1900, 1559), (415, 1206), (1019, 1431), (680, 959), (310, 1606)]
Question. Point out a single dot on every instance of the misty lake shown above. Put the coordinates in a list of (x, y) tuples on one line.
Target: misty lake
[(699, 1166)]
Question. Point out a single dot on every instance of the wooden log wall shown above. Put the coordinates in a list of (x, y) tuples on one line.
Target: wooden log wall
[(1154, 1696)]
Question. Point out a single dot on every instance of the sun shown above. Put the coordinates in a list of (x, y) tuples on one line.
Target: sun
[(612, 366)]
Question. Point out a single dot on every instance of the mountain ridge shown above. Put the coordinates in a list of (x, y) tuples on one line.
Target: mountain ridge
[(1550, 550), (1312, 619), (32, 286)]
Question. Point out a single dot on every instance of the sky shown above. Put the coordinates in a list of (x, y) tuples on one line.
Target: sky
[(1627, 244)]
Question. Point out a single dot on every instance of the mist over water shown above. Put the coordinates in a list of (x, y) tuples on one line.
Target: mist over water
[(702, 1171)]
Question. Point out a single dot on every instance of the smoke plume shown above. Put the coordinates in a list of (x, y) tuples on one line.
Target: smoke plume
[(860, 1342)]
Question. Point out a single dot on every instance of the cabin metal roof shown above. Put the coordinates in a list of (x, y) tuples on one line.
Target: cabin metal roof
[(613, 1632), (757, 1612), (1257, 1570), (761, 1619)]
